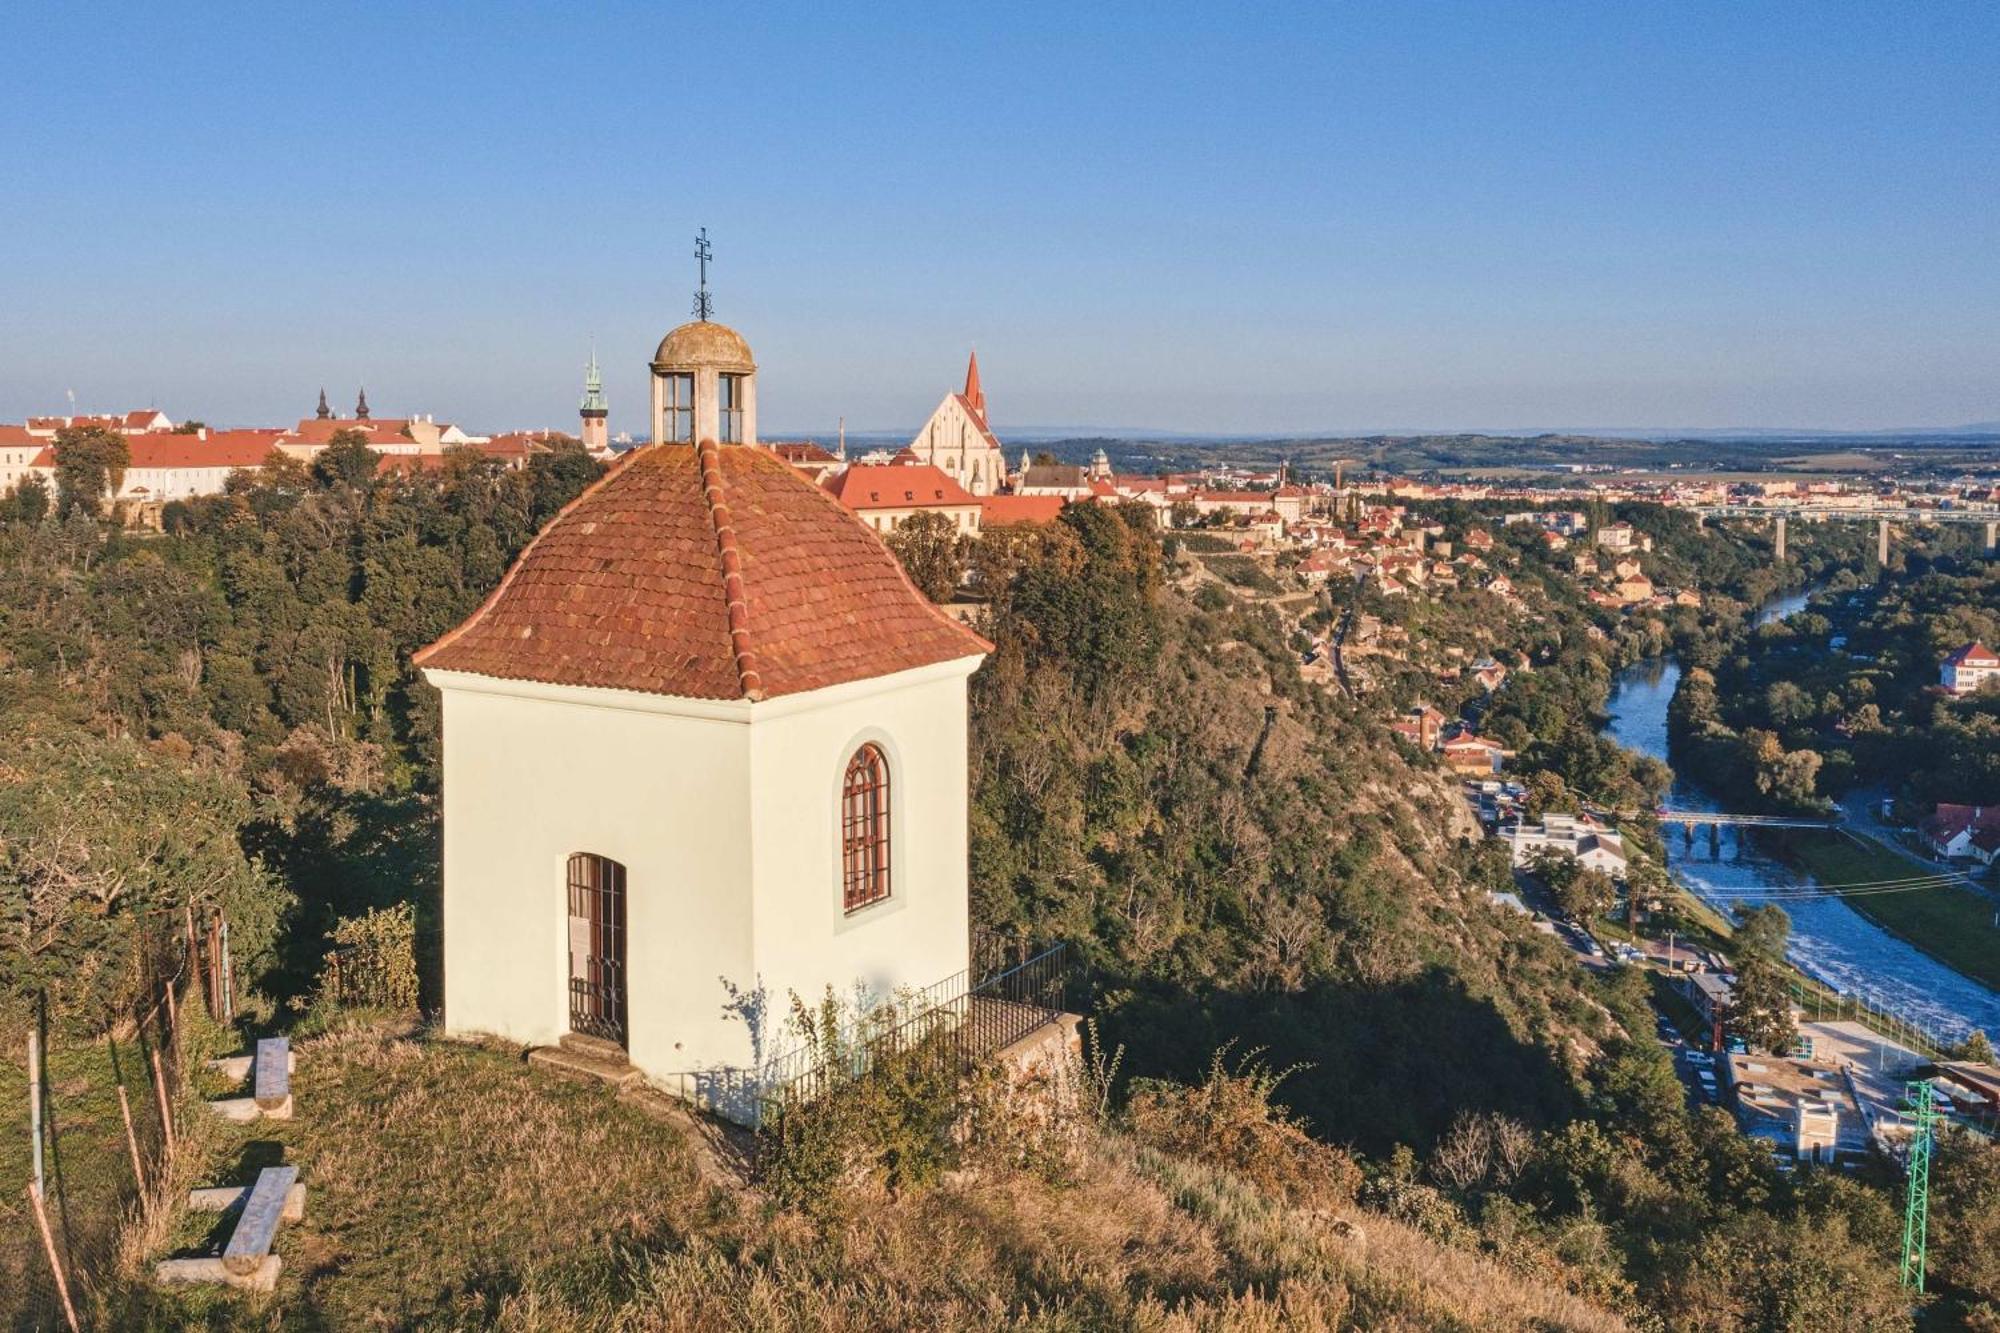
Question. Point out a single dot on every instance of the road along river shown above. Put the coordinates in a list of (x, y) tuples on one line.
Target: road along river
[(1830, 940)]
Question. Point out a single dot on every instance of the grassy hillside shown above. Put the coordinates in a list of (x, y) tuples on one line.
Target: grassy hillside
[(452, 1186)]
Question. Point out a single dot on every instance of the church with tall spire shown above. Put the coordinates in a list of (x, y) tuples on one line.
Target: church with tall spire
[(959, 441)]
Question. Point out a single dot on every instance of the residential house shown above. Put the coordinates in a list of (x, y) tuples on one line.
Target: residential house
[(1968, 669)]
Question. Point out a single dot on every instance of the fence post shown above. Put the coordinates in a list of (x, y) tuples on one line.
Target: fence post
[(173, 1024), (131, 1138), (166, 1115), (228, 978), (55, 1262), (35, 1099)]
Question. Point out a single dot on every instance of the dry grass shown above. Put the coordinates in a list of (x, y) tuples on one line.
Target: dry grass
[(455, 1187)]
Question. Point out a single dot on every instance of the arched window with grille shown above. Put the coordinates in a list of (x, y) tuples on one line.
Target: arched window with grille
[(864, 829), (597, 946)]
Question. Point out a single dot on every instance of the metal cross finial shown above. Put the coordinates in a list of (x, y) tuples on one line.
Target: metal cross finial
[(703, 308)]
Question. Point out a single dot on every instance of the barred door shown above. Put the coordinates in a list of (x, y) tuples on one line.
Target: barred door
[(597, 947)]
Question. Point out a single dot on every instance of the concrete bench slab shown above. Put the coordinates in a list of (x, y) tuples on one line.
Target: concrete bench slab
[(222, 1198), (257, 1224), (237, 1067), (263, 1277), (271, 1073), (243, 1110)]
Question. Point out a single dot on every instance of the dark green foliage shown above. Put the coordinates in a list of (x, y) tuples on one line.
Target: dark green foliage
[(104, 845), (251, 671), (933, 553), (90, 466)]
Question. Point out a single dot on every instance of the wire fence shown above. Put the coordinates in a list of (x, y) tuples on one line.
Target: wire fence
[(97, 1127)]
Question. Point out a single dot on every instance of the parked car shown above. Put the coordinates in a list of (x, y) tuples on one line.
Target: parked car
[(1736, 1046)]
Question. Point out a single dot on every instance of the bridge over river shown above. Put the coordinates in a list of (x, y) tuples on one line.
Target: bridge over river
[(1883, 516), (1720, 818), (1829, 938)]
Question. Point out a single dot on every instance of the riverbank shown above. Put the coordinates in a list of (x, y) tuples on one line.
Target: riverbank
[(1953, 925), (1833, 944)]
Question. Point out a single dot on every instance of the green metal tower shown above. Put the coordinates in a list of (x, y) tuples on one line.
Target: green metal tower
[(1917, 1211)]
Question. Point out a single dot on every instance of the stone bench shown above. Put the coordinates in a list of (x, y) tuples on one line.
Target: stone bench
[(246, 1259), (270, 1073)]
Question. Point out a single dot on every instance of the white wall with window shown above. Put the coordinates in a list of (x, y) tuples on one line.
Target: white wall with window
[(726, 818)]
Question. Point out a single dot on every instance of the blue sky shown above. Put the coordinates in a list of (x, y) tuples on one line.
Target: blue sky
[(1231, 219)]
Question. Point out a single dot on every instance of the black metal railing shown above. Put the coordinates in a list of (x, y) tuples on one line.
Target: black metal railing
[(954, 1023)]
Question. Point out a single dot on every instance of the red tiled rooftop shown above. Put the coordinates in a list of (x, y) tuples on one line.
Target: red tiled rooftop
[(896, 486), (711, 573), (224, 449)]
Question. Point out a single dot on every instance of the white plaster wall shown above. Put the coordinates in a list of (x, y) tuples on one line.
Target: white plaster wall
[(528, 781), (804, 940)]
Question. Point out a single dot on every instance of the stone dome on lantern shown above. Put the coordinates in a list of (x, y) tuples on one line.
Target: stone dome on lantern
[(704, 386)]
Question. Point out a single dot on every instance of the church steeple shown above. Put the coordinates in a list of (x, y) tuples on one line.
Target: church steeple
[(975, 395), (324, 411), (593, 409), (361, 406)]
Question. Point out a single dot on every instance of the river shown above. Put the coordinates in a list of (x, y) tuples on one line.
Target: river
[(1830, 940)]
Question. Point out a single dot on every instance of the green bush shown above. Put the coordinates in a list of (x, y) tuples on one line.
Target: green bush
[(373, 961)]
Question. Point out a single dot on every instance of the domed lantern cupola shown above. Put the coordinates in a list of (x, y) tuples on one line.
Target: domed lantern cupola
[(704, 378)]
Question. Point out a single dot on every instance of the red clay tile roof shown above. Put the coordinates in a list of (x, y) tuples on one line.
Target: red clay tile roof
[(707, 573), (803, 451), (897, 486), (382, 430), (223, 449)]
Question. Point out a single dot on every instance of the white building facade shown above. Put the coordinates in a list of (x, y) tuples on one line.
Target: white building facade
[(704, 751), (958, 441)]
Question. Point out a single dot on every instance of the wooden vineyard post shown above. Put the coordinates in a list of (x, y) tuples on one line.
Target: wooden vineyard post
[(228, 978), (35, 1099), (55, 1262), (131, 1138), (166, 1116), (173, 1024)]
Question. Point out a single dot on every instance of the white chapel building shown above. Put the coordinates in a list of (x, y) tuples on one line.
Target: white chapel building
[(704, 749), (960, 443)]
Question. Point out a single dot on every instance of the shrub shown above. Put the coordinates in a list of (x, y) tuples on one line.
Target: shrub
[(373, 961), (880, 1117), (1230, 1121)]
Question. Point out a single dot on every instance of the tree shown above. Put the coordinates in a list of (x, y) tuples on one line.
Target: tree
[(1184, 514), (101, 838), (1975, 1049), (1965, 1218), (1762, 933), (1547, 792), (1587, 895), (1760, 1004), (90, 464), (933, 553), (347, 461), (27, 503)]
